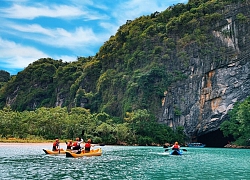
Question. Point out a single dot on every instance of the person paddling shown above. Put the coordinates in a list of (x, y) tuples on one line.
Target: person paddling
[(77, 144), (56, 145), (87, 146), (69, 144), (176, 146)]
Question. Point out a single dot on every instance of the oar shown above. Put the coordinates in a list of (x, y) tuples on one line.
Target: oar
[(180, 149), (82, 133), (81, 138)]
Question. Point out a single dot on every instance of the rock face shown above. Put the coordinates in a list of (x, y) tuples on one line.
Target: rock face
[(201, 102)]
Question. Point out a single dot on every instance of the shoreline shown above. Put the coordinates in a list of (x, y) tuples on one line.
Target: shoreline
[(236, 147), (17, 140), (23, 144)]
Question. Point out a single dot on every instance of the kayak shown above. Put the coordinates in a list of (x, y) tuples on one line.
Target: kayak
[(176, 152), (50, 152), (93, 152), (196, 145)]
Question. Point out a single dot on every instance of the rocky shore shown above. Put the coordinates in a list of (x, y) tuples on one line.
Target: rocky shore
[(235, 146)]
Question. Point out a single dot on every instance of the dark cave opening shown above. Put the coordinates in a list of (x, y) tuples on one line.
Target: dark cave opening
[(214, 139)]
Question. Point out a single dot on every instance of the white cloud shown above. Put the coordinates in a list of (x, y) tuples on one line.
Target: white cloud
[(29, 28), (133, 9), (18, 11), (112, 28), (13, 55), (66, 58), (60, 37), (129, 10), (73, 39)]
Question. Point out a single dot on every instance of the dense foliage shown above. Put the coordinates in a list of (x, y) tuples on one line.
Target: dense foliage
[(4, 77), (238, 124), (49, 123)]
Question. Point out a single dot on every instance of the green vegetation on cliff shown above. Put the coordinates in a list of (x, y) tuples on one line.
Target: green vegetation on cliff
[(238, 124)]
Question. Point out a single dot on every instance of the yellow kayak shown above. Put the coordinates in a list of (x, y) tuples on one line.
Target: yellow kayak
[(93, 152), (50, 152)]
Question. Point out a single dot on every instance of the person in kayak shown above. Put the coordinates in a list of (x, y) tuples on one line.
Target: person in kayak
[(88, 146), (69, 144), (176, 146), (56, 145), (77, 144)]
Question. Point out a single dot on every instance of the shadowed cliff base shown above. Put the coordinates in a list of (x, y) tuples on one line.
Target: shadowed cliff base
[(214, 139)]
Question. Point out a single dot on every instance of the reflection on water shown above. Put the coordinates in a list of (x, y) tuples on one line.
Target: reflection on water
[(124, 162)]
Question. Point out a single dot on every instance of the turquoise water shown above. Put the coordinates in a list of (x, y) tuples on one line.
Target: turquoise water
[(124, 162)]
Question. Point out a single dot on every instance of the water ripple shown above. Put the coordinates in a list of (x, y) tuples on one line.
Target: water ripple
[(118, 163)]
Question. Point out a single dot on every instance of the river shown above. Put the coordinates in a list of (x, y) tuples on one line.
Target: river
[(28, 161)]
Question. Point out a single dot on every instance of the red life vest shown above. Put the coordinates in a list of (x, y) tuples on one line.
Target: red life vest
[(176, 147), (87, 145), (55, 146), (55, 143), (75, 144)]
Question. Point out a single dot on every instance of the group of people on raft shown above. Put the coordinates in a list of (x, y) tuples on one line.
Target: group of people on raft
[(75, 146)]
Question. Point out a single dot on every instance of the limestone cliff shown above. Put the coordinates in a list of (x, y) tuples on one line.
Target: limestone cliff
[(201, 102)]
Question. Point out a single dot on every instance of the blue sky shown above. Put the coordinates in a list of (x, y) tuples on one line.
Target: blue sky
[(60, 29)]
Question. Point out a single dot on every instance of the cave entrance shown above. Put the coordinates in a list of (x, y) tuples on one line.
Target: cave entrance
[(214, 139)]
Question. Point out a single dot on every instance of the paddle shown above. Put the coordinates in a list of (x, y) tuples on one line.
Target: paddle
[(180, 149), (82, 133), (80, 139)]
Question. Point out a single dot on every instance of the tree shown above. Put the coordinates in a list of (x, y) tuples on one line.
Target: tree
[(238, 124), (122, 133)]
